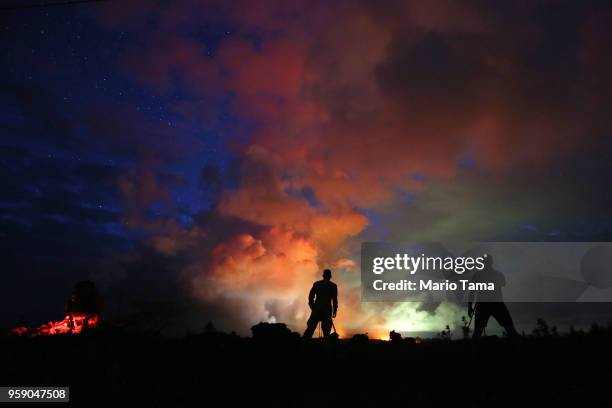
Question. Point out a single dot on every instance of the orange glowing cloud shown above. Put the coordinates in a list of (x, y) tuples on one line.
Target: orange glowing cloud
[(276, 262), (352, 104)]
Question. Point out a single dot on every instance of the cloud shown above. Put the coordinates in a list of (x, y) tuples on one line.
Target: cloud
[(351, 107)]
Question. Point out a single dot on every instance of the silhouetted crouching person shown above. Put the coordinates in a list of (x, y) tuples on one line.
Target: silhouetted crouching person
[(489, 303), (323, 302)]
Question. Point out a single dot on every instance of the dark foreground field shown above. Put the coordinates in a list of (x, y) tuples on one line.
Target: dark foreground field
[(216, 369)]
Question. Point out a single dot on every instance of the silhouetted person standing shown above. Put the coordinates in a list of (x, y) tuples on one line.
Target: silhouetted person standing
[(489, 303), (323, 302)]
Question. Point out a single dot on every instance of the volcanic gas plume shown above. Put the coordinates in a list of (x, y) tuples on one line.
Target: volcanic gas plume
[(353, 113)]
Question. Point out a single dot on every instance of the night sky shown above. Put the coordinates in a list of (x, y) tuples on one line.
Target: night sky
[(204, 160)]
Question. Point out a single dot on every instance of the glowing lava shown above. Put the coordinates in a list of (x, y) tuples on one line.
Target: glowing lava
[(82, 314), (73, 323)]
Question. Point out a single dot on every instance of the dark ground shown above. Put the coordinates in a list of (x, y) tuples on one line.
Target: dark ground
[(215, 369)]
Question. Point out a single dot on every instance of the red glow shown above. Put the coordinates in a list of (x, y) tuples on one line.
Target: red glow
[(73, 323)]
